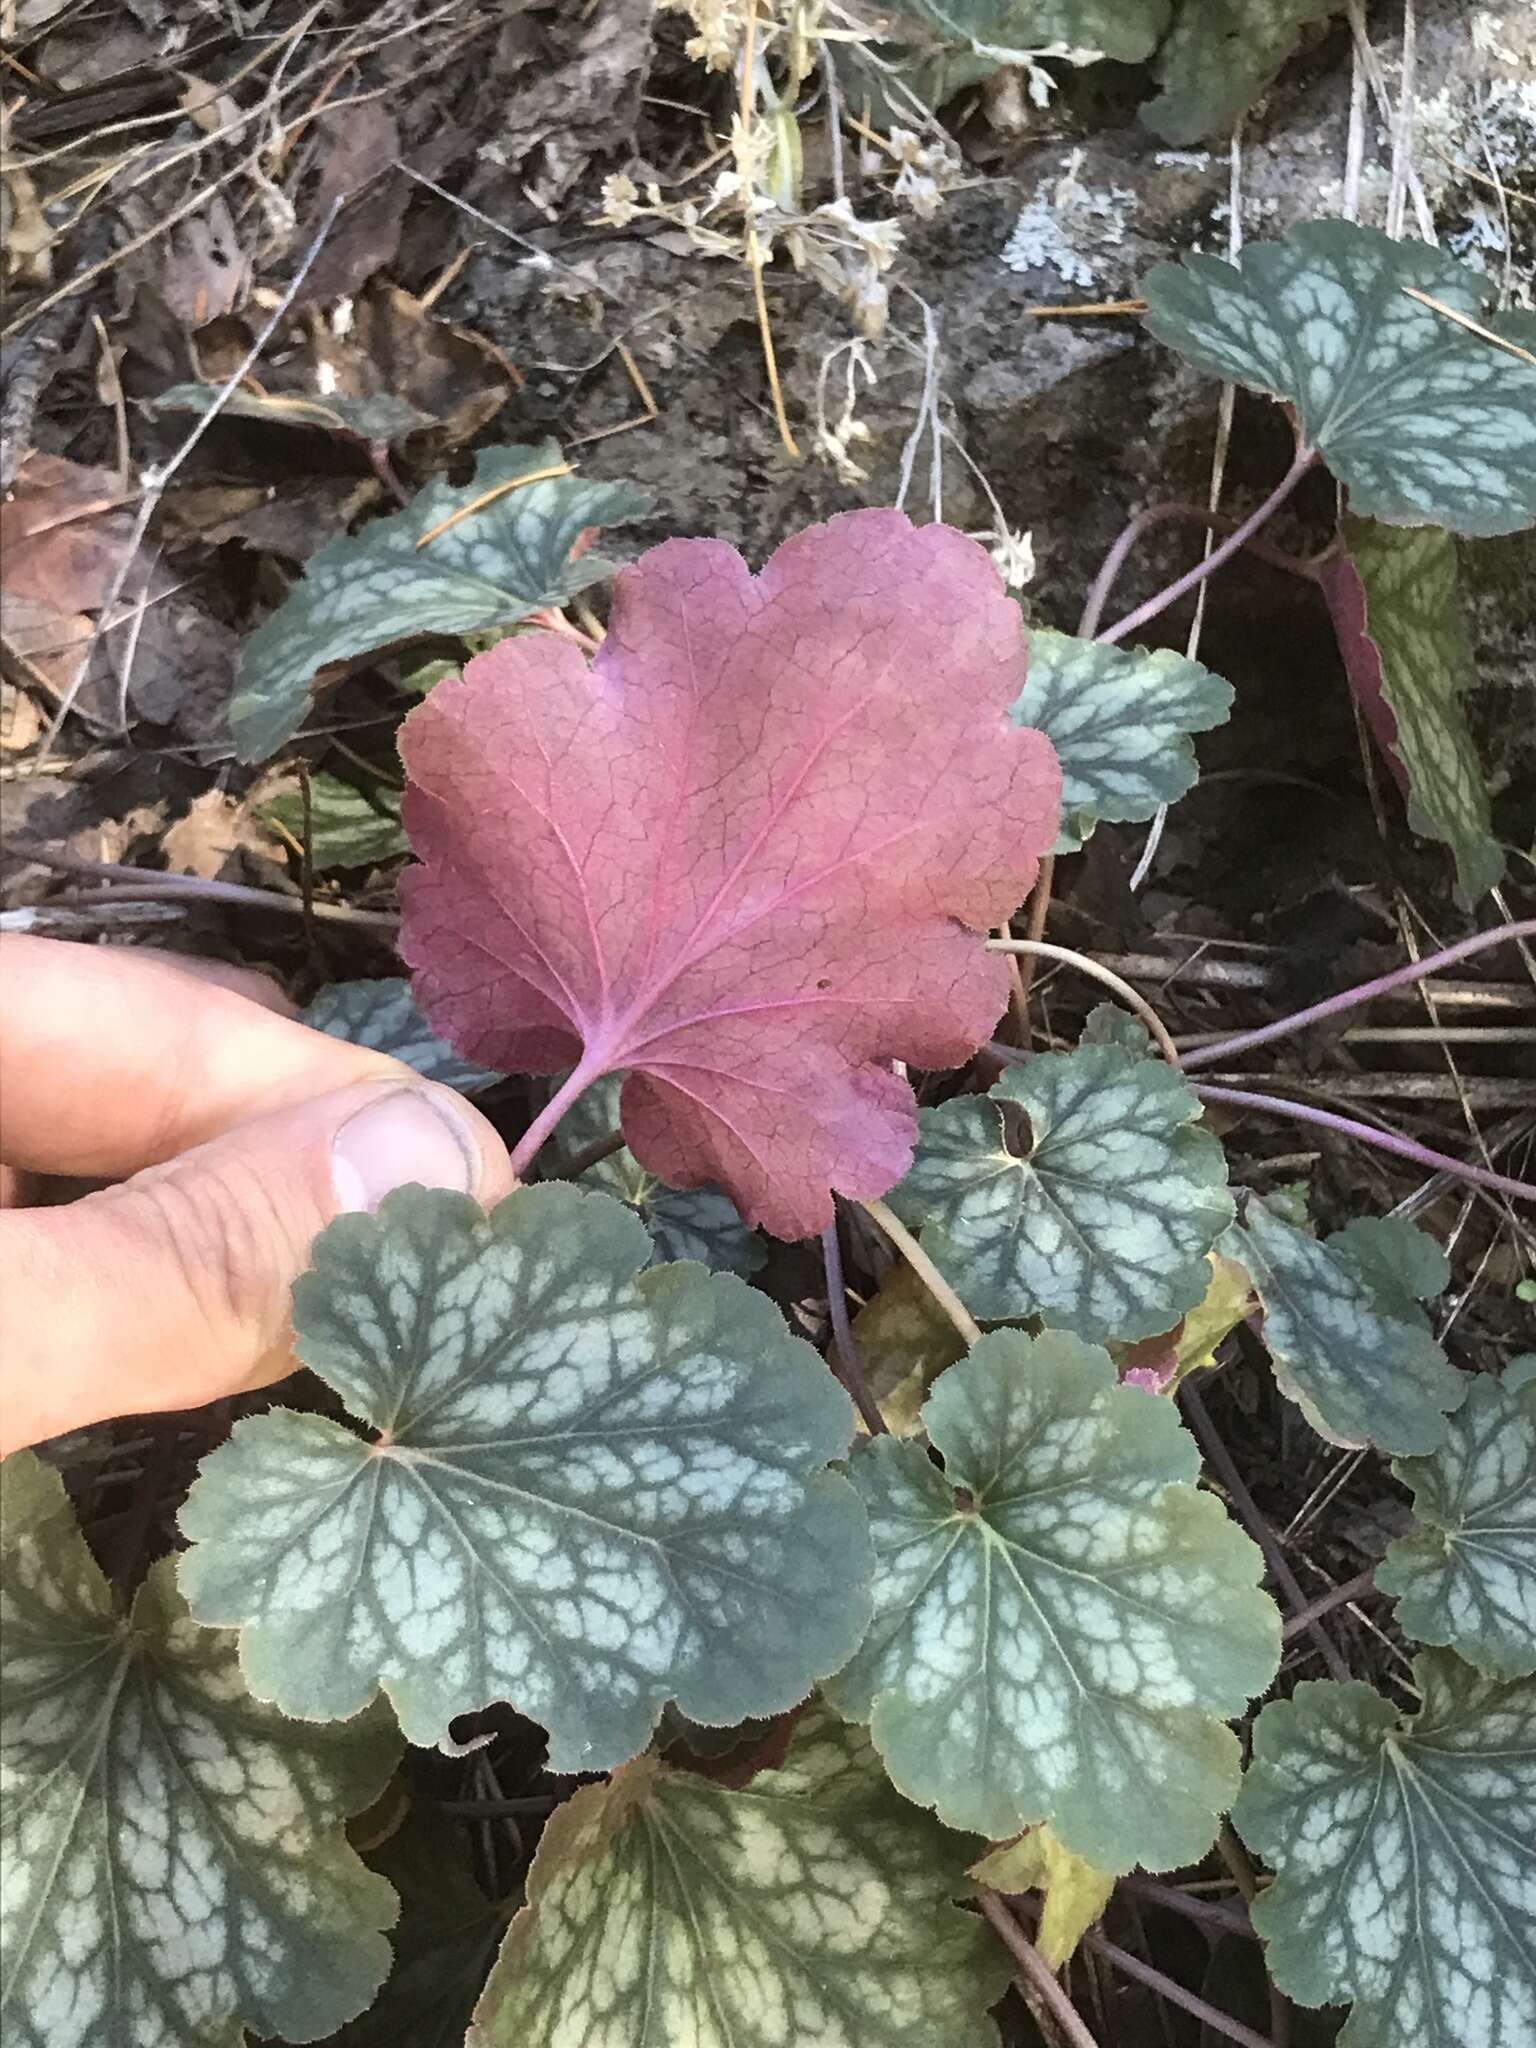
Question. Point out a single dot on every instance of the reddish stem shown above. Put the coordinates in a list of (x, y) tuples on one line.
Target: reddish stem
[(1235, 540), (1416, 970), (1201, 515), (552, 620), (853, 1373), (1367, 1134), (575, 1084)]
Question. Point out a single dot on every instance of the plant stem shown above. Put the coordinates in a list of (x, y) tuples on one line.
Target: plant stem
[(853, 1374), (1212, 2016), (924, 1267), (1225, 1468), (1154, 515), (1363, 992), (1129, 996), (1236, 539), (575, 1084), (1157, 1892), (1235, 1856), (747, 108), (1039, 908), (1041, 1981), (1337, 1596), (589, 1155), (147, 886), (1368, 1134)]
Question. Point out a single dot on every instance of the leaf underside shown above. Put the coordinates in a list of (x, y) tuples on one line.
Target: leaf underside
[(1119, 719), (747, 854), (1406, 649), (1358, 1361), (814, 1907), (1062, 1622), (1426, 423), (1403, 1852), (685, 1223), (1104, 1227), (593, 1489), (1466, 1574), (387, 582), (175, 1865), (383, 1015)]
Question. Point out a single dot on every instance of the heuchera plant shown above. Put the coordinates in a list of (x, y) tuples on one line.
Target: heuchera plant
[(748, 853), (828, 1684)]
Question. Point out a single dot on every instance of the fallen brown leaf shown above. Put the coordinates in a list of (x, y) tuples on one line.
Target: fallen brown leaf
[(217, 827)]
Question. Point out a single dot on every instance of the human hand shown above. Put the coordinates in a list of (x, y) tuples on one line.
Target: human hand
[(233, 1133)]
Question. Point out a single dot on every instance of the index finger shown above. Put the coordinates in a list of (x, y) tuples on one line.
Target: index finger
[(112, 1059)]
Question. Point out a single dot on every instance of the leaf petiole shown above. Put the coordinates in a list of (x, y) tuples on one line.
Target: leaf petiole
[(850, 1358), (1362, 992), (575, 1084), (1223, 552), (1201, 515)]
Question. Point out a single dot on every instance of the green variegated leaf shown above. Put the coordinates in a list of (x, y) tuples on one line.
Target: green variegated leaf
[(1466, 1575), (1425, 422), (510, 556), (809, 1910), (1062, 1621), (1406, 649), (175, 1864), (384, 1015), (1520, 1380), (1403, 1847), (1401, 1264), (348, 827), (1355, 1356), (1119, 719), (685, 1223), (1219, 56), (1094, 1208), (591, 1488)]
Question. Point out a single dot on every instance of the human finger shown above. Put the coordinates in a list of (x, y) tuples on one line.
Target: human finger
[(172, 1289)]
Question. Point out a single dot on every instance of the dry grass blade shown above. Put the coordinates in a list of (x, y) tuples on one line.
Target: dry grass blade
[(518, 483), (1472, 326), (754, 247)]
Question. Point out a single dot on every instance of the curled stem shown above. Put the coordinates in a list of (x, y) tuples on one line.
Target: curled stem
[(1132, 999)]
